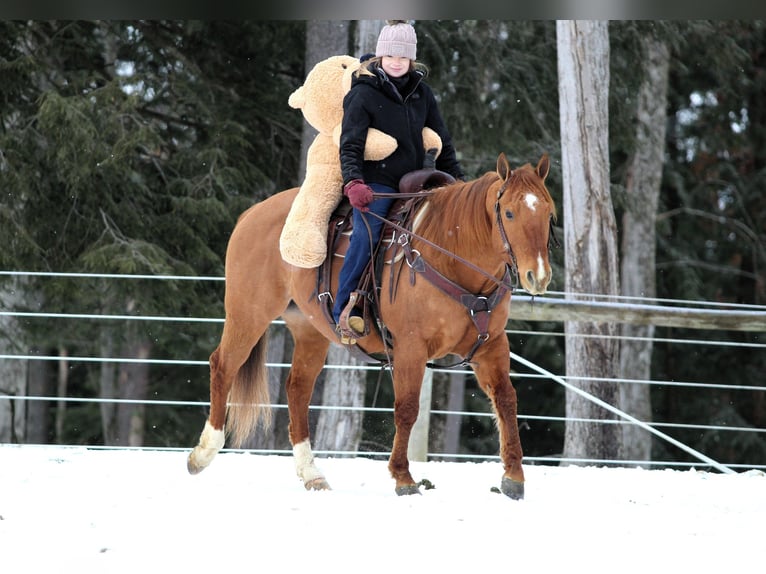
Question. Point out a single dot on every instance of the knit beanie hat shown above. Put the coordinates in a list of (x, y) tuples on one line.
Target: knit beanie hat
[(397, 38)]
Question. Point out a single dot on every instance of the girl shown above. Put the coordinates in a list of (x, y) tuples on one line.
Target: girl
[(387, 93)]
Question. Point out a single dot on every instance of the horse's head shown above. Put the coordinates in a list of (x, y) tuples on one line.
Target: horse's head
[(523, 213)]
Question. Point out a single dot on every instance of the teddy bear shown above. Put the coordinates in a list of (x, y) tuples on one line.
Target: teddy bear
[(303, 241)]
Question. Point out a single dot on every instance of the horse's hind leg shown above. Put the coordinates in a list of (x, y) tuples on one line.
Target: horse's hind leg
[(492, 373), (237, 346), (308, 360)]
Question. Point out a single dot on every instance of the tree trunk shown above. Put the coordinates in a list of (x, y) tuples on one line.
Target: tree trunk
[(367, 36), (39, 385), (341, 430), (324, 38), (447, 394), (123, 424), (639, 240), (590, 236), (13, 372), (455, 404), (133, 385), (418, 446), (62, 384), (337, 430), (108, 389)]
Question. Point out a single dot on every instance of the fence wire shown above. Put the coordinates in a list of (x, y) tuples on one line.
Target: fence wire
[(624, 300)]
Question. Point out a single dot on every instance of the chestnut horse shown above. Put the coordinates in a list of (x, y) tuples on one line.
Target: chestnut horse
[(472, 234)]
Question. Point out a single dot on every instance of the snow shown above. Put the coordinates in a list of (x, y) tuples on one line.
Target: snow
[(102, 511)]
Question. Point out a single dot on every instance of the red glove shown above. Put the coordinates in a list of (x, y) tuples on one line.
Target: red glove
[(359, 194)]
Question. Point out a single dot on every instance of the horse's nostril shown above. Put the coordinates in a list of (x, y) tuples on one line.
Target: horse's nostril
[(530, 277)]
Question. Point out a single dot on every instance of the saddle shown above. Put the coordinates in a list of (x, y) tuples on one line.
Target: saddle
[(366, 296)]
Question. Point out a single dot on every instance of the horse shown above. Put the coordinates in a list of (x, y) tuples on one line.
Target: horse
[(472, 236)]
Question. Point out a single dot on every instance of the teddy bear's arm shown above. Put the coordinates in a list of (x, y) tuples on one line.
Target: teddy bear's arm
[(378, 145), (432, 140)]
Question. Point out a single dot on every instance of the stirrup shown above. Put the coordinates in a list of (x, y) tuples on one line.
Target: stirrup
[(349, 335)]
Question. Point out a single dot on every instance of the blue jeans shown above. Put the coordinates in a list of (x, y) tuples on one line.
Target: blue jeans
[(358, 254)]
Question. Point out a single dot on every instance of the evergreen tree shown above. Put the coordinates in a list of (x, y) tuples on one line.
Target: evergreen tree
[(131, 148), (712, 244)]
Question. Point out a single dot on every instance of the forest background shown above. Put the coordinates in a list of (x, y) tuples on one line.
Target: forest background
[(131, 147)]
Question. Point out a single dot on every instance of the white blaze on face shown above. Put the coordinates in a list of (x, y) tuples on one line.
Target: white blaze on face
[(531, 200), (540, 268)]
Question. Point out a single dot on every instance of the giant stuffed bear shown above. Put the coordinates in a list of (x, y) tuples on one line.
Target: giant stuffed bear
[(303, 241)]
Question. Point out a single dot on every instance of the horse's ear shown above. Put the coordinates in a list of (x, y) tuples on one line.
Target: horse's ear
[(503, 169), (543, 167)]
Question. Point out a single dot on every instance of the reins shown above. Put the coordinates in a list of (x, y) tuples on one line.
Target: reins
[(410, 233)]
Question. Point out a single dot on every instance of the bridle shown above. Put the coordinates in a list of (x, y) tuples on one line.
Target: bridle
[(552, 240), (503, 235)]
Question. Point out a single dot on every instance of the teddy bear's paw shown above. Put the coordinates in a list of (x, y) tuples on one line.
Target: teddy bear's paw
[(303, 259), (305, 249)]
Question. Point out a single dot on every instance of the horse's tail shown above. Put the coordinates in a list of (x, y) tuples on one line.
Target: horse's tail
[(249, 401)]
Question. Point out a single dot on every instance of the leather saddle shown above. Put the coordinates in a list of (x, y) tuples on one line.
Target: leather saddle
[(365, 296)]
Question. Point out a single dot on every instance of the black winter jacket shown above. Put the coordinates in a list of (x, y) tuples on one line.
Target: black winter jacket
[(374, 102)]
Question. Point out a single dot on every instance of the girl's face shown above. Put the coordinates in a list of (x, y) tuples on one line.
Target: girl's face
[(395, 66)]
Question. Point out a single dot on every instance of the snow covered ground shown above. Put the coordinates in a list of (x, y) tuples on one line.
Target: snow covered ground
[(74, 510)]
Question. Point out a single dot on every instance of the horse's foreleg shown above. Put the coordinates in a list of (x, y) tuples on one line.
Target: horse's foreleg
[(308, 360), (307, 471), (492, 374), (407, 383)]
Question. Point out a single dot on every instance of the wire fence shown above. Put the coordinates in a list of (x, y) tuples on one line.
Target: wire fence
[(758, 312)]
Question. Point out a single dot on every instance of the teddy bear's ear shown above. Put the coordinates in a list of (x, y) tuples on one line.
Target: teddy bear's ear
[(297, 99), (345, 80)]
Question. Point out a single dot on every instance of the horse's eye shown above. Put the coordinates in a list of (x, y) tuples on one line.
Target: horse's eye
[(508, 214)]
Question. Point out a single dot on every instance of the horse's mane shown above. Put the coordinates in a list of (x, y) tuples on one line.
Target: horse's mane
[(457, 218)]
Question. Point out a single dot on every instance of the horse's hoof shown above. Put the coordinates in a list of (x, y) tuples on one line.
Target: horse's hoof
[(192, 466), (317, 484), (512, 488), (407, 490), (210, 442)]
